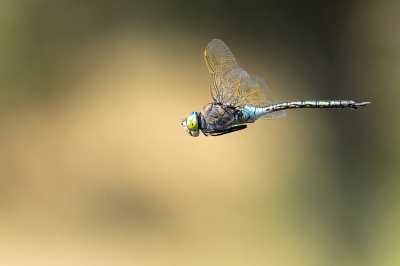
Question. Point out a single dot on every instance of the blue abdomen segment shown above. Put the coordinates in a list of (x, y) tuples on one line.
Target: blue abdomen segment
[(251, 114)]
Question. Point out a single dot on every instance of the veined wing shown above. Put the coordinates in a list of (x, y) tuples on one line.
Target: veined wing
[(253, 91), (231, 85), (225, 72)]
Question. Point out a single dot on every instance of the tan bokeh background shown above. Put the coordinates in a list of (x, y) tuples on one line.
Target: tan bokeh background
[(95, 168)]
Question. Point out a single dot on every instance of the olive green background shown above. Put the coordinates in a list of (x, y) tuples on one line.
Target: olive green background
[(95, 168)]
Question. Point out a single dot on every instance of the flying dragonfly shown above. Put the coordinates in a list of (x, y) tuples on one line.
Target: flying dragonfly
[(240, 98)]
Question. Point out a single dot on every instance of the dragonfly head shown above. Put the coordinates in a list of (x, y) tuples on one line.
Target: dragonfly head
[(191, 124)]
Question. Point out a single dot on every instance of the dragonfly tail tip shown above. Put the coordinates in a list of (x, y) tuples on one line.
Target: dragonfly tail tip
[(362, 104)]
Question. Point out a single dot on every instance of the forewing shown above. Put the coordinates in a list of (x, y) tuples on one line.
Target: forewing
[(224, 70), (231, 85)]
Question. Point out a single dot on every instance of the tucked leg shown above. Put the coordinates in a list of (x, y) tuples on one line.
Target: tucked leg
[(227, 131)]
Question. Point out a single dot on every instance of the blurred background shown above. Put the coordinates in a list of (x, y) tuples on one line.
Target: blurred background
[(95, 168)]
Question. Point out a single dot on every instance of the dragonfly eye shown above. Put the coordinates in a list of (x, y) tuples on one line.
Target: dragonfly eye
[(192, 122)]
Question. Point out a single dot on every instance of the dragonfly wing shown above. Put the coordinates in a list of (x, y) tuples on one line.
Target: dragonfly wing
[(253, 91), (274, 115), (231, 85), (224, 70)]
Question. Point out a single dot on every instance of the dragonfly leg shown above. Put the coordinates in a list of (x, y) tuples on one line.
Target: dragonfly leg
[(227, 131), (205, 134)]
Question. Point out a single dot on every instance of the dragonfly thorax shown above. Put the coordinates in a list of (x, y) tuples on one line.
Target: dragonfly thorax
[(215, 116)]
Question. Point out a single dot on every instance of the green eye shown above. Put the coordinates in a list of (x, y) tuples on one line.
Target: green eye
[(191, 122)]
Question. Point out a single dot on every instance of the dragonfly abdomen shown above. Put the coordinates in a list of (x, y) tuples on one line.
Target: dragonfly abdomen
[(250, 113), (317, 104)]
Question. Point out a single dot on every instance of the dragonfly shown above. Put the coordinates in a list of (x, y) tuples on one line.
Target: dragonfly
[(240, 98)]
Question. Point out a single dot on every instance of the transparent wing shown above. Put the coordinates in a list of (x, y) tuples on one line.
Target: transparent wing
[(253, 91), (231, 85), (225, 72), (274, 115)]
